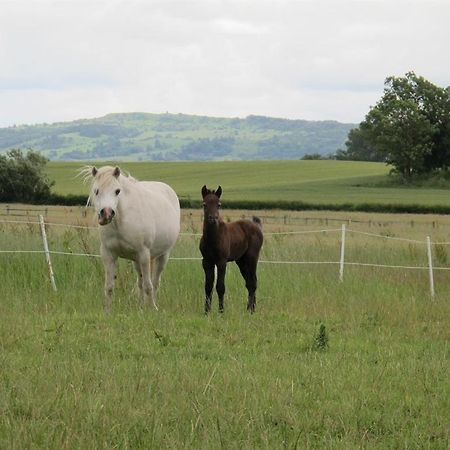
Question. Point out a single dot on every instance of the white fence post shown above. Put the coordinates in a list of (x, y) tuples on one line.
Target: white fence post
[(47, 253), (430, 266), (341, 264)]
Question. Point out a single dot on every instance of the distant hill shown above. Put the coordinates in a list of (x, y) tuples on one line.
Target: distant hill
[(171, 137)]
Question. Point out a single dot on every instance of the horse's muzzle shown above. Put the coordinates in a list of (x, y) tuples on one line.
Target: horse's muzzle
[(105, 216), (212, 219)]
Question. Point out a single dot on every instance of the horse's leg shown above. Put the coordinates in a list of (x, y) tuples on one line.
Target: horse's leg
[(144, 264), (248, 270), (139, 279), (220, 285), (208, 268), (110, 263), (157, 267), (251, 284)]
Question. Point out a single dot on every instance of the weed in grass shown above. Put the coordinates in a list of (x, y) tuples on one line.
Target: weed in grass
[(163, 340), (321, 340)]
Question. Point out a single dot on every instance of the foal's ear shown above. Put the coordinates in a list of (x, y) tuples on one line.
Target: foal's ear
[(219, 191), (94, 171), (116, 172), (204, 191)]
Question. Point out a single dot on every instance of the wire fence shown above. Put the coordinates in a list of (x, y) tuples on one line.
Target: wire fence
[(343, 231), (26, 211)]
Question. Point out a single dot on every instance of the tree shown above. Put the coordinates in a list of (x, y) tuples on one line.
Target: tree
[(360, 147), (22, 177), (402, 135), (312, 156), (409, 127)]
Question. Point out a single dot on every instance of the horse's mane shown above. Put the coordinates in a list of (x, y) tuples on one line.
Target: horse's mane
[(104, 177)]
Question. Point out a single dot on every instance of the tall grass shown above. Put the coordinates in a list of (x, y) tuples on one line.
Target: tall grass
[(71, 377)]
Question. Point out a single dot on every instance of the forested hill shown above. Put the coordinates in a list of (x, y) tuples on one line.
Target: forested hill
[(169, 137)]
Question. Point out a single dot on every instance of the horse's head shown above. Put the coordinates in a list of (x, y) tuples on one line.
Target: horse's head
[(105, 192), (211, 204)]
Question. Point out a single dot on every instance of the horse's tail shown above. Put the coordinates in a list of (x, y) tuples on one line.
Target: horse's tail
[(257, 220)]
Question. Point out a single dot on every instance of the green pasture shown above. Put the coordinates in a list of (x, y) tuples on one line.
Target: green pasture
[(375, 377), (318, 182)]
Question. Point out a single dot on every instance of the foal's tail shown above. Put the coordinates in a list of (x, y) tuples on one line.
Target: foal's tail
[(257, 220)]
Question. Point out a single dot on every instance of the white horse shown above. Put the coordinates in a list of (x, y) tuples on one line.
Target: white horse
[(139, 221)]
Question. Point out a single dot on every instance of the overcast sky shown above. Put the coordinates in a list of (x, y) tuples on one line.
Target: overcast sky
[(316, 60)]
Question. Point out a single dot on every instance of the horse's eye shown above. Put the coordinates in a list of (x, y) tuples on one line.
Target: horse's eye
[(219, 205), (204, 205), (96, 192), (117, 191)]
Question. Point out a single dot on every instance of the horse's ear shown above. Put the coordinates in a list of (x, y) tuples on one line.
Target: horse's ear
[(219, 191), (94, 171), (204, 191), (116, 172)]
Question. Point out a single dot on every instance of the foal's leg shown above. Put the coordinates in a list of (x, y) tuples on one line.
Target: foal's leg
[(110, 263), (157, 266), (208, 268), (220, 285), (144, 264), (248, 271)]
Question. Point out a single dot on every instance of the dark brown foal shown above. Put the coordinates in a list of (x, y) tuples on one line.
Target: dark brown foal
[(221, 242)]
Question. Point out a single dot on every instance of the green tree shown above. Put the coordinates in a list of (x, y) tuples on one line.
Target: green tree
[(311, 156), (409, 127), (359, 146), (22, 177), (401, 134)]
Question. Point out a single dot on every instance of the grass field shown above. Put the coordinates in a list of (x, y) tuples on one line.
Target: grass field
[(71, 377), (318, 182)]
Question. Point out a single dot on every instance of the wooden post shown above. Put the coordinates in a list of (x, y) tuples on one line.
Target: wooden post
[(430, 267), (47, 253), (341, 264)]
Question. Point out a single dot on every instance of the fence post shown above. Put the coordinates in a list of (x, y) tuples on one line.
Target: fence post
[(430, 267), (341, 264), (47, 253)]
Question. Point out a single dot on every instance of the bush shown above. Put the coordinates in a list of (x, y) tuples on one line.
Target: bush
[(22, 177)]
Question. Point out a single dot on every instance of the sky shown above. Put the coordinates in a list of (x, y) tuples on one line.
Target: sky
[(298, 59)]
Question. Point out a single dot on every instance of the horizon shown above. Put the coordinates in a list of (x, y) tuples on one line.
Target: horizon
[(17, 125)]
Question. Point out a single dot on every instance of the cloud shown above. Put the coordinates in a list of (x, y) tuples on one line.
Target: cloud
[(297, 59)]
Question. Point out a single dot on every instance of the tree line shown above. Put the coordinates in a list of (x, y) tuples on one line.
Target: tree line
[(408, 128)]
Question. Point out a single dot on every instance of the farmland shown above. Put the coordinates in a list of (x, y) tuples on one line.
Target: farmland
[(72, 377), (315, 182)]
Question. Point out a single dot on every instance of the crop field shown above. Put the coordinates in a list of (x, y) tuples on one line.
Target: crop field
[(318, 182), (362, 363)]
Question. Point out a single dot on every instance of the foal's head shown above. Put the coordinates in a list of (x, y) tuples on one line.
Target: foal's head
[(105, 192), (211, 204)]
